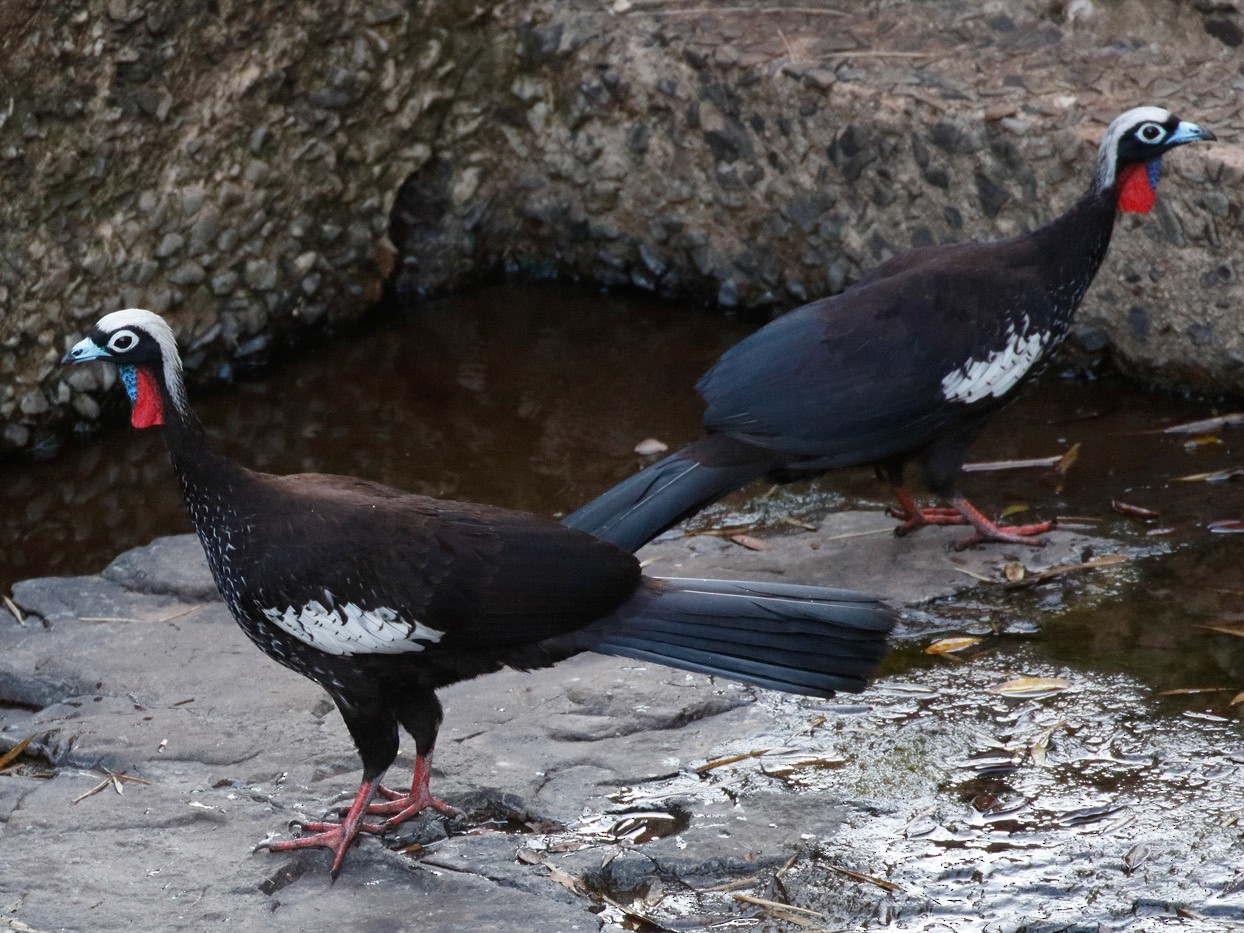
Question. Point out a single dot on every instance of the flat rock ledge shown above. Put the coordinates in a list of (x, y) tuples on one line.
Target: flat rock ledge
[(262, 173), (594, 791)]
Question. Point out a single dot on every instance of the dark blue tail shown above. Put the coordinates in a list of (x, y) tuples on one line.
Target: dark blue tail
[(798, 639), (658, 497)]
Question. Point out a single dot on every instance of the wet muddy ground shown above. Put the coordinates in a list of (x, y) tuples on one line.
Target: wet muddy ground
[(1110, 801)]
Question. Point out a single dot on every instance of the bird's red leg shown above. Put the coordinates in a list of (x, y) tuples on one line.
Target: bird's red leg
[(404, 806), (336, 836), (914, 517), (988, 531)]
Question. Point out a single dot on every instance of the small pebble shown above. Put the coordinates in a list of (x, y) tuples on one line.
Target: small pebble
[(649, 446)]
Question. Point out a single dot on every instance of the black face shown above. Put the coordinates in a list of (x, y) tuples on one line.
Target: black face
[(126, 345), (1151, 139)]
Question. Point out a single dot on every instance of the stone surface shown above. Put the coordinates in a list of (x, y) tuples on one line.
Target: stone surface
[(227, 170), (580, 782)]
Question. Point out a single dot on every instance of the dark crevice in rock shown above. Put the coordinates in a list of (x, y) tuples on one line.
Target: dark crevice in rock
[(286, 875)]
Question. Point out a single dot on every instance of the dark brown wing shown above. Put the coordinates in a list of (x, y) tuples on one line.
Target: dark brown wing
[(468, 573), (860, 376)]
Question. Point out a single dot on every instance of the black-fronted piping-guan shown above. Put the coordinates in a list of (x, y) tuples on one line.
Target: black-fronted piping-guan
[(905, 366), (382, 597)]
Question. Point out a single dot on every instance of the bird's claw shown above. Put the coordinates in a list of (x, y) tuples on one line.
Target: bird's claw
[(1008, 534)]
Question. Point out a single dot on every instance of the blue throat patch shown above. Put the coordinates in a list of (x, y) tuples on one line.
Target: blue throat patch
[(1154, 168), (129, 376)]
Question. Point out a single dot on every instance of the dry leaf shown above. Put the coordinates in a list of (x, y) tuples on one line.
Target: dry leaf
[(1042, 743), (15, 751), (569, 882), (1014, 510), (1014, 571), (747, 541), (1237, 699), (1030, 687), (1202, 442), (949, 645), (1227, 526), (1132, 511), (1067, 460), (1136, 856)]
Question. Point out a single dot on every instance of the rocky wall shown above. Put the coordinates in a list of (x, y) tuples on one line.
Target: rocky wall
[(253, 170), (231, 165)]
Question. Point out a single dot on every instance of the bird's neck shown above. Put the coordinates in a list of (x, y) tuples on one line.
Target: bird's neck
[(1070, 249), (212, 485)]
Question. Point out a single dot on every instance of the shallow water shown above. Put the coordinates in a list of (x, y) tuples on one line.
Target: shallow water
[(534, 398)]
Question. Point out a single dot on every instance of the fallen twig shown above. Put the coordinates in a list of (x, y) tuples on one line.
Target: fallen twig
[(182, 614), (728, 532), (733, 885), (113, 780), (1181, 691), (169, 618), (779, 906), (1204, 425), (974, 575), (17, 613), (1217, 476), (1043, 575), (860, 876), (990, 465), (860, 534), (731, 759), (799, 523)]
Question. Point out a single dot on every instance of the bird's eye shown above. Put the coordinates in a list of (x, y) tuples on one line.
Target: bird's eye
[(122, 340), (1151, 132)]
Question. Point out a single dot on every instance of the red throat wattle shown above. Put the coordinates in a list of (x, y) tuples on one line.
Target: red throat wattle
[(148, 410), (1136, 194)]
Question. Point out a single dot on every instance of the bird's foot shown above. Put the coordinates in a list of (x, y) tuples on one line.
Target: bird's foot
[(1008, 534), (918, 518), (413, 802), (913, 517), (401, 807), (989, 531), (335, 836)]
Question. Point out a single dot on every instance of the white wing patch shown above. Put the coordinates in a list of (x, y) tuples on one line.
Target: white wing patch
[(348, 630), (996, 374)]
